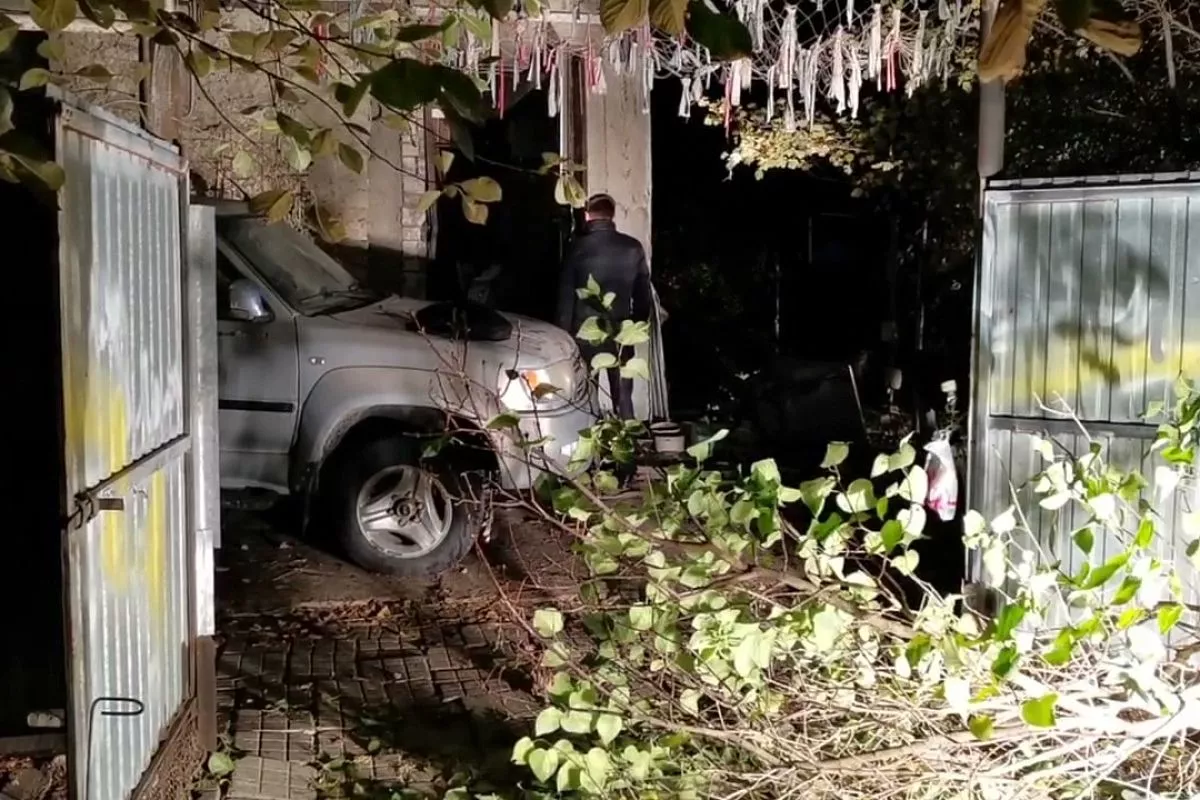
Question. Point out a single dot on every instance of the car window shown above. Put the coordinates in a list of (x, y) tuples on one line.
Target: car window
[(303, 274)]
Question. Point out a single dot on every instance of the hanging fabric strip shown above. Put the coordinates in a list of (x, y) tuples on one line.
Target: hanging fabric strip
[(849, 13), (698, 90), (760, 23), (875, 48), (810, 100), (553, 88), (734, 90), (502, 87), (837, 83), (492, 90), (856, 77), (917, 73), (685, 98), (495, 39), (770, 92), (648, 70)]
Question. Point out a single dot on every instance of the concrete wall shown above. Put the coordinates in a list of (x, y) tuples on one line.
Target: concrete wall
[(618, 152)]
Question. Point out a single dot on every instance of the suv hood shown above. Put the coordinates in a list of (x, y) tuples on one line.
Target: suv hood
[(533, 343)]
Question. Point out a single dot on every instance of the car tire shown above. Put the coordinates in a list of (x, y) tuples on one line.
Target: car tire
[(395, 513)]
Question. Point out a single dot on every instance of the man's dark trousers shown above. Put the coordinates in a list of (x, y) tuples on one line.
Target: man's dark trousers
[(620, 389)]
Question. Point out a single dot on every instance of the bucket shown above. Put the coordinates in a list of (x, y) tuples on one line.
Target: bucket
[(668, 438)]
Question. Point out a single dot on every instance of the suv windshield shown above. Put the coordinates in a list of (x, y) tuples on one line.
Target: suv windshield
[(308, 279)]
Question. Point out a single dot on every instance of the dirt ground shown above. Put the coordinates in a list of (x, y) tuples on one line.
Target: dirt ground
[(333, 681)]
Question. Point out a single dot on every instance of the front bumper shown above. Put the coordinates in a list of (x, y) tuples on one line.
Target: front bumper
[(520, 467)]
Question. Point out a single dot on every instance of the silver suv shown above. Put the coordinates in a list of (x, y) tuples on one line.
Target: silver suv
[(335, 393)]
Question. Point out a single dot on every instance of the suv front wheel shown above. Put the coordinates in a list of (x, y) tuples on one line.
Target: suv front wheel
[(398, 514)]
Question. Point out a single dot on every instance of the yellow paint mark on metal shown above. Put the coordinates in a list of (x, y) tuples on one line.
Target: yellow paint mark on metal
[(1127, 363), (97, 421)]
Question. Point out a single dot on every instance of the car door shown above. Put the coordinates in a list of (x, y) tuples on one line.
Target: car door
[(258, 385)]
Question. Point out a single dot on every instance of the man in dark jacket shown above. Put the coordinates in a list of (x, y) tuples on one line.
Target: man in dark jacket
[(618, 265)]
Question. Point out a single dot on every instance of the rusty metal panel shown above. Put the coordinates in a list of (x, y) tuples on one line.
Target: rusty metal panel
[(1087, 301), (129, 544)]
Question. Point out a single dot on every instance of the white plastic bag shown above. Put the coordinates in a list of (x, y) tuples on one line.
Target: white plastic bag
[(942, 498)]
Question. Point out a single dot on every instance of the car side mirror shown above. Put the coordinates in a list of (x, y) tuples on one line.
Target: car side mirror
[(246, 302)]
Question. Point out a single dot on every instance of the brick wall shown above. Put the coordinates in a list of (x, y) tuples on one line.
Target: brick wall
[(386, 240)]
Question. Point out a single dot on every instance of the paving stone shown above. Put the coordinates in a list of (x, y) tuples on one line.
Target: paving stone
[(257, 778)]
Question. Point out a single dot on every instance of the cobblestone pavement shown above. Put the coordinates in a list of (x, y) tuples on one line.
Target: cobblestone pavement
[(407, 687)]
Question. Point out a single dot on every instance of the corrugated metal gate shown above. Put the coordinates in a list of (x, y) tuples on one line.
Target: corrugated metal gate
[(1089, 296), (126, 386)]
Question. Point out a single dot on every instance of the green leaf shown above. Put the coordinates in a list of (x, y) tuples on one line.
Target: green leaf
[(1010, 617), (827, 628), (835, 453), (33, 78), (603, 361), (597, 767), (1101, 575), (608, 726), (858, 498), (6, 111), (906, 563), (475, 212), (220, 765), (591, 332), (641, 617), (1060, 653), (548, 622), (351, 158), (53, 15), (543, 764), (633, 333), (669, 16), (8, 32), (52, 49), (701, 451), (1006, 662), (459, 95), (690, 700), (288, 126), (636, 367), (427, 201), (1039, 712), (416, 33), (1127, 590), (547, 722), (569, 192), (621, 15), (1145, 533), (483, 189), (1168, 617), (578, 721), (981, 727), (915, 485), (351, 97), (522, 749), (724, 36), (405, 84), (274, 204), (243, 43), (1084, 539)]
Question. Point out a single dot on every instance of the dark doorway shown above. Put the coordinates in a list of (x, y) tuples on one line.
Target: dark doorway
[(514, 258)]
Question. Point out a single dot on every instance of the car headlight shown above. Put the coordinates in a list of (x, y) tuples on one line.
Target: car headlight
[(546, 389)]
